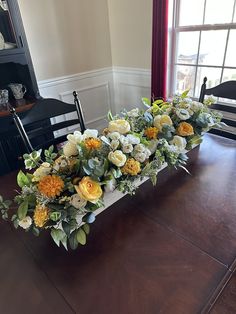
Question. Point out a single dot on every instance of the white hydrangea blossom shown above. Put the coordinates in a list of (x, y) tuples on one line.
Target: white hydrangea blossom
[(128, 148), (134, 140), (141, 157), (134, 113)]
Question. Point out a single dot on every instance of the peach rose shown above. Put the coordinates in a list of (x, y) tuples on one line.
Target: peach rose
[(185, 129), (89, 190)]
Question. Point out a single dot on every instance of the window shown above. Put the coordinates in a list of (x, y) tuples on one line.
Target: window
[(203, 41)]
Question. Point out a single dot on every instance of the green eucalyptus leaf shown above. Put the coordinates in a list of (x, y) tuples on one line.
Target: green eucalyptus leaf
[(64, 242), (86, 228), (35, 231), (73, 240), (22, 209), (57, 235), (67, 228), (81, 236)]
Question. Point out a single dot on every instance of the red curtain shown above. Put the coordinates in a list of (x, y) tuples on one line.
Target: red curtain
[(159, 48)]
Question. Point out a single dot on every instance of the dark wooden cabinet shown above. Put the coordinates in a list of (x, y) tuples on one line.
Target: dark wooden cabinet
[(15, 67)]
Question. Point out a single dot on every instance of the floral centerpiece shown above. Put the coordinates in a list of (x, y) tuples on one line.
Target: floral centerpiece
[(61, 190)]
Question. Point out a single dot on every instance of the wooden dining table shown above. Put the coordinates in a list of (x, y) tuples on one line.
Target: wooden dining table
[(168, 249)]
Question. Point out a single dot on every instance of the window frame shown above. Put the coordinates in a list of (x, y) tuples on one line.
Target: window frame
[(175, 30)]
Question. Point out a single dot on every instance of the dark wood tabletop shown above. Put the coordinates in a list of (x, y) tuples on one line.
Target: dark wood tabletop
[(169, 249)]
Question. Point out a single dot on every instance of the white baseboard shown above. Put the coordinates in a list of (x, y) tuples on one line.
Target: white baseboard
[(100, 91)]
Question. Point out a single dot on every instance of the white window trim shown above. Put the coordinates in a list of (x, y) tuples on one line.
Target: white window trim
[(175, 29)]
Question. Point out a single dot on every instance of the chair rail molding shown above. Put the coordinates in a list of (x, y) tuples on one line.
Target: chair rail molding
[(100, 90)]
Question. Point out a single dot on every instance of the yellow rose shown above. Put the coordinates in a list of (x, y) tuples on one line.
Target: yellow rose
[(159, 121), (120, 125), (185, 129), (117, 158), (89, 190)]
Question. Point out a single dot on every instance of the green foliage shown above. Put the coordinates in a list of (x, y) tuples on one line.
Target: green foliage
[(23, 180), (151, 170), (32, 160), (126, 186), (4, 207), (49, 154), (109, 116), (59, 236), (81, 236), (185, 93), (146, 102), (23, 209)]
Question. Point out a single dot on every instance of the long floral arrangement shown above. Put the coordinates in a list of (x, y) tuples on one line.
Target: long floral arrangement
[(64, 188)]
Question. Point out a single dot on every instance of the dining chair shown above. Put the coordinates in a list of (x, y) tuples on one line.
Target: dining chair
[(226, 104), (36, 129)]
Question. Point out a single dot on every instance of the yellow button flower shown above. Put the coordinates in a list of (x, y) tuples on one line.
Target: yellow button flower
[(131, 167), (41, 216), (92, 143), (51, 186), (151, 133), (89, 190)]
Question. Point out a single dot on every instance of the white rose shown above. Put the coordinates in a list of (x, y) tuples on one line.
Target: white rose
[(152, 146), (70, 149), (133, 139), (196, 106), (161, 120), (110, 185), (133, 113), (117, 158), (183, 114), (114, 144), (77, 201), (114, 136), (42, 171), (128, 148), (75, 138), (26, 222), (140, 148), (120, 125), (141, 157), (90, 133), (179, 141)]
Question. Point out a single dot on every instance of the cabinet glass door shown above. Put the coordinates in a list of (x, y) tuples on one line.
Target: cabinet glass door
[(7, 33)]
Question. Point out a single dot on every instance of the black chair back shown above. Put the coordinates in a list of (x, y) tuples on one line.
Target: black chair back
[(36, 129), (225, 90)]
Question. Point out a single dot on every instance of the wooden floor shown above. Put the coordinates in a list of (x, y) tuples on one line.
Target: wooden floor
[(170, 249)]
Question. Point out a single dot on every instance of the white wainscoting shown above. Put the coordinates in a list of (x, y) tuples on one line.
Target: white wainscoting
[(100, 91), (130, 85)]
